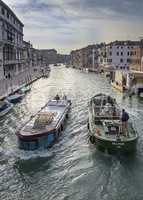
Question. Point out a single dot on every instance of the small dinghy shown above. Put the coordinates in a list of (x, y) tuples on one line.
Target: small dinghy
[(44, 129), (5, 107), (106, 128)]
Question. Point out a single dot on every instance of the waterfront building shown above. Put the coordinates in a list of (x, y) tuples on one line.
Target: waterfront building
[(128, 80), (52, 57), (27, 54), (11, 43), (76, 59), (85, 58), (120, 55), (137, 57), (102, 57)]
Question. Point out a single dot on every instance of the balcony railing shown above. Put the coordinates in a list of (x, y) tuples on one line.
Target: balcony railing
[(12, 62)]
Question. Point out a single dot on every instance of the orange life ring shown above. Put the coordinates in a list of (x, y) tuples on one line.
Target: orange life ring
[(98, 131)]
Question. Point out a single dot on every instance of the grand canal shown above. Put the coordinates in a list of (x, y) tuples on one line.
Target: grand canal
[(72, 169)]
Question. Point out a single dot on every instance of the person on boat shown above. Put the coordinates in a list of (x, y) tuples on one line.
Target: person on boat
[(124, 119), (57, 97)]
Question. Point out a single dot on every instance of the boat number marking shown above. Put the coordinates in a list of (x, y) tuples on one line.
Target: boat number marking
[(118, 144)]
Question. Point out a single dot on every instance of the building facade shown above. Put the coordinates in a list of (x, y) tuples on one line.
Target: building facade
[(120, 55), (52, 57), (85, 58), (11, 43)]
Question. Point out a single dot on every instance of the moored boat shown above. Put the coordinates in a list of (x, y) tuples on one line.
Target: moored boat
[(25, 89), (44, 129), (15, 98), (105, 126), (5, 107)]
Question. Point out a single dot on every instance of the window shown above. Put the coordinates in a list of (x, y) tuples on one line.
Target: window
[(7, 15), (121, 53), (117, 53), (3, 11), (121, 60), (121, 47), (128, 53), (110, 53), (128, 60), (117, 47)]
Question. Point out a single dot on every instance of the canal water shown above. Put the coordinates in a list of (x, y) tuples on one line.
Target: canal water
[(72, 169)]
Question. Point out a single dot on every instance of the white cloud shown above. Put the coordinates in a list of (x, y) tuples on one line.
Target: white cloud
[(70, 24)]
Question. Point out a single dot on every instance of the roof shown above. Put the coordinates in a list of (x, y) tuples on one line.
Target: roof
[(126, 42)]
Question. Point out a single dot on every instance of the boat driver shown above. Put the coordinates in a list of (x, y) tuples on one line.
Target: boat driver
[(57, 97), (124, 120)]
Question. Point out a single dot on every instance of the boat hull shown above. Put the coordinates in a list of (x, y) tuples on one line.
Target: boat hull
[(7, 110), (114, 146), (15, 100), (32, 143)]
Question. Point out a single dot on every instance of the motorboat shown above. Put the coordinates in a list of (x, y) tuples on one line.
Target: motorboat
[(105, 126), (25, 89), (15, 98), (5, 107), (44, 128)]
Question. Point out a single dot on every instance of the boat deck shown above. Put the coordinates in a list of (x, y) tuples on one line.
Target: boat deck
[(102, 132), (47, 119)]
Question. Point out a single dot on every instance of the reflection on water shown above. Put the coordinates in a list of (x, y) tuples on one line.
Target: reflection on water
[(73, 168)]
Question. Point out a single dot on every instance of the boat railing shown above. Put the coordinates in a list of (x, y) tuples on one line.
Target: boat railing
[(107, 117), (106, 111), (61, 103)]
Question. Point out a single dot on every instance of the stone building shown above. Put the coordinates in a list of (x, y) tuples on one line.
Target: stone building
[(85, 58), (120, 55), (52, 57), (137, 57), (11, 43)]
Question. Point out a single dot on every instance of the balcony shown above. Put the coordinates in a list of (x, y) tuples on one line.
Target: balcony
[(13, 62)]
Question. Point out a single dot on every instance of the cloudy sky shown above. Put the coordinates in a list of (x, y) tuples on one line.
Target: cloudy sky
[(71, 24)]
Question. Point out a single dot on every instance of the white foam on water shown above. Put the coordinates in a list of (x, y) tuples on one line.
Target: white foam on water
[(17, 154)]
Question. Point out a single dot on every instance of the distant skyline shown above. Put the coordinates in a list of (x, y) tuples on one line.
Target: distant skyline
[(70, 24)]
